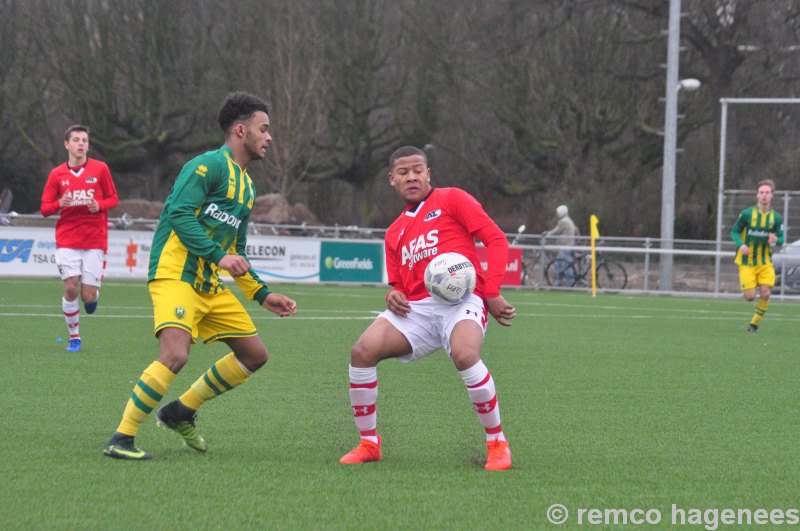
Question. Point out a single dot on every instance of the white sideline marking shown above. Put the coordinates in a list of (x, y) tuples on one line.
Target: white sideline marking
[(254, 317), (150, 308), (373, 314)]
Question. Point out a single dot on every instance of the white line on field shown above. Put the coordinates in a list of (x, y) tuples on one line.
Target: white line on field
[(372, 316), (255, 317)]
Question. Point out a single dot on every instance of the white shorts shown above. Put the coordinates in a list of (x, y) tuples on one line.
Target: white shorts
[(89, 264), (429, 325)]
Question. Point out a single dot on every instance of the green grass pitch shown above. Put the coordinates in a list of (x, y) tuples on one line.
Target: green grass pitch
[(608, 402)]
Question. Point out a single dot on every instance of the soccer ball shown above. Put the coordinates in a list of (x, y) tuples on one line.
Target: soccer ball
[(450, 278)]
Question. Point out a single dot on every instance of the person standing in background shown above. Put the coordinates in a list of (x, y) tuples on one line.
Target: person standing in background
[(564, 233)]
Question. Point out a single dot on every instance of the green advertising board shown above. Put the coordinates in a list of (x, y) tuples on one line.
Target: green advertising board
[(351, 262)]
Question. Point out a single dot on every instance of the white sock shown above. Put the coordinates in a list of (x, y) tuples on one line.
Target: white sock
[(363, 397), (72, 315), (480, 387)]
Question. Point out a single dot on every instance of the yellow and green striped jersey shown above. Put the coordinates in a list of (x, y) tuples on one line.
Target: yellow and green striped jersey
[(752, 228), (205, 217)]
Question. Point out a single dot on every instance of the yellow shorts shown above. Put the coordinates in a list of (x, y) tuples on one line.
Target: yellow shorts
[(751, 277), (209, 317)]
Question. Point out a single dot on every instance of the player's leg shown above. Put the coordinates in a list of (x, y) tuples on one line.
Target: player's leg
[(765, 277), (228, 321), (176, 311), (69, 267), (92, 268), (465, 333), (381, 340), (761, 306), (748, 282), (72, 313), (231, 371), (147, 393)]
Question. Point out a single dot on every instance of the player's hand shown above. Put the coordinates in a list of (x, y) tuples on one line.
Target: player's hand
[(93, 206), (280, 305), (234, 264), (397, 302), (773, 238), (65, 201), (501, 310), (745, 250)]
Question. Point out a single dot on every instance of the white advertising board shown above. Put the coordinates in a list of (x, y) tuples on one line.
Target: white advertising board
[(284, 259), (30, 251)]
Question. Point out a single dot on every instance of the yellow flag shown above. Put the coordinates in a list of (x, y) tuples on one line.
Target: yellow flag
[(595, 234)]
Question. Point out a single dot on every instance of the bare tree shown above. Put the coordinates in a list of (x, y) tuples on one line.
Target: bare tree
[(361, 86), (24, 85), (138, 75), (282, 63)]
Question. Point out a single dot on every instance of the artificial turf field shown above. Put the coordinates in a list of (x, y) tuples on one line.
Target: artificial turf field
[(613, 402)]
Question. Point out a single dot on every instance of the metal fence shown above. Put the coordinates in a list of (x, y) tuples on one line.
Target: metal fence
[(695, 262)]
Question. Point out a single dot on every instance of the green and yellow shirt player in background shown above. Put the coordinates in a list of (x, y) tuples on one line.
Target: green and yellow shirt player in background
[(756, 231), (201, 234)]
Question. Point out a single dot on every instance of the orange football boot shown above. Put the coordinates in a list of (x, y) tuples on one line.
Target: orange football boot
[(498, 456), (365, 452)]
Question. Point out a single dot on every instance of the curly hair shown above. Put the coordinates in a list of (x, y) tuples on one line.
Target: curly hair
[(239, 107)]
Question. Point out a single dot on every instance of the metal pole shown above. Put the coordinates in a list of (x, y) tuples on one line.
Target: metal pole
[(670, 146), (647, 264), (723, 143)]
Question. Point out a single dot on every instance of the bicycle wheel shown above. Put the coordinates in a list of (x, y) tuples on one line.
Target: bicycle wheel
[(611, 275), (560, 273)]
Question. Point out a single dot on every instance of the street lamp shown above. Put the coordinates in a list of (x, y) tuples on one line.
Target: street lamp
[(668, 182), (670, 144), (689, 84)]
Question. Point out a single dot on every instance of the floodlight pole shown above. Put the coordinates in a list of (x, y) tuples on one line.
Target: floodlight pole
[(670, 148)]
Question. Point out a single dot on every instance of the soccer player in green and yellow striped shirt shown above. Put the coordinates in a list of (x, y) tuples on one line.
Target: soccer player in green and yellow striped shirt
[(756, 231), (201, 234)]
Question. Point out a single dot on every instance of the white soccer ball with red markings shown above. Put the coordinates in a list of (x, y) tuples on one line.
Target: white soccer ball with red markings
[(450, 278)]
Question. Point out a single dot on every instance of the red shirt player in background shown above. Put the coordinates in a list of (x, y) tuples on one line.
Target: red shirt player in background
[(82, 191), (435, 221)]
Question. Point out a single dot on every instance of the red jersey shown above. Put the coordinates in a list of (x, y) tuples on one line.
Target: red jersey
[(77, 228), (448, 220)]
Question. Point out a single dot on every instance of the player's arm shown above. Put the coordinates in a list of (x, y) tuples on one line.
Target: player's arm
[(50, 204), (736, 230), (472, 215), (251, 284), (187, 196), (397, 298), (497, 250), (110, 198), (779, 230)]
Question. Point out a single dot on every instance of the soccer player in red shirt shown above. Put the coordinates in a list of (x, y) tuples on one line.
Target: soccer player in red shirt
[(82, 192), (435, 221)]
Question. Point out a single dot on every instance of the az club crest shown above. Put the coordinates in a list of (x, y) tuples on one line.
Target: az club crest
[(180, 312)]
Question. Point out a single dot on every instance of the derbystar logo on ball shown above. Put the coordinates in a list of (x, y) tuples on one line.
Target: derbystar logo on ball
[(450, 278)]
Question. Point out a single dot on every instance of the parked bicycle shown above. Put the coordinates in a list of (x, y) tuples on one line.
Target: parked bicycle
[(530, 257), (610, 275)]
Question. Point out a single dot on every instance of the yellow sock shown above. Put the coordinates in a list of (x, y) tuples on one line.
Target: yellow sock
[(761, 309), (147, 393), (223, 376)]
